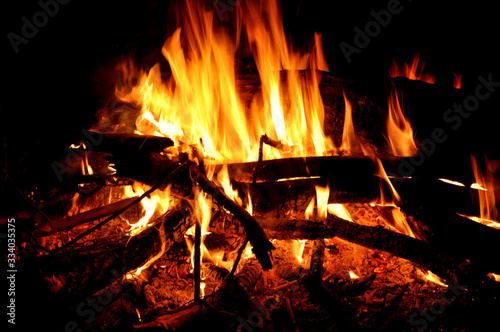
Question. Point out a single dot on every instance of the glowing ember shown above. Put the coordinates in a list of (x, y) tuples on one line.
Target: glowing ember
[(477, 186), (457, 81), (486, 192), (299, 178), (494, 276), (322, 195), (484, 221), (455, 183)]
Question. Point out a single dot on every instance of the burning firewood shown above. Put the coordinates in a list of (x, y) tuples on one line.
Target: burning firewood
[(88, 216), (286, 228), (261, 245)]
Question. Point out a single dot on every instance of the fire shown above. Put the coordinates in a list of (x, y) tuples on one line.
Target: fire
[(399, 130), (322, 196), (350, 142), (158, 202), (455, 183), (415, 71), (399, 222), (295, 107), (494, 276), (309, 210), (86, 168), (433, 278), (150, 261), (200, 101), (225, 182), (339, 210), (485, 186), (394, 198), (457, 81), (298, 249), (477, 186)]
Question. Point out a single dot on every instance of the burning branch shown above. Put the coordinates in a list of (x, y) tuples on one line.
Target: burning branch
[(261, 245)]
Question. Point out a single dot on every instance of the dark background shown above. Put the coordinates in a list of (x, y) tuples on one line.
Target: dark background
[(56, 83)]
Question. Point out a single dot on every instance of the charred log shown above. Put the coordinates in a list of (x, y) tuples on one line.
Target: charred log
[(286, 228)]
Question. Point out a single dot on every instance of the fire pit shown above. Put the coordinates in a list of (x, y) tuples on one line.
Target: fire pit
[(238, 185)]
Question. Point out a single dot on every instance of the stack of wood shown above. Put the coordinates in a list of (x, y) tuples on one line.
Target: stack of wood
[(281, 191)]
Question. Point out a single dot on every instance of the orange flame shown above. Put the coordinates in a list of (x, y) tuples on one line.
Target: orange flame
[(350, 142), (339, 210), (200, 99), (455, 183), (322, 196), (399, 130), (457, 80), (308, 214), (432, 278), (415, 71), (298, 249), (494, 276), (157, 202), (485, 185)]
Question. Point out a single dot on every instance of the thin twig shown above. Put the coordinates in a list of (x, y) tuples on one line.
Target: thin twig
[(238, 258), (125, 208)]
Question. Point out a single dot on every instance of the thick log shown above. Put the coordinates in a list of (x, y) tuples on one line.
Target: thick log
[(124, 143), (285, 228), (281, 228)]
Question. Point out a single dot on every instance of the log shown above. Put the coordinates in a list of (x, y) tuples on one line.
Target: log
[(82, 218), (124, 254), (232, 296), (123, 143), (261, 245), (286, 228), (116, 299)]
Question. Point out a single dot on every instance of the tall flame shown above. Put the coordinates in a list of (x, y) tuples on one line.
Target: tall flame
[(350, 142), (200, 101), (322, 196), (485, 183), (399, 130)]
